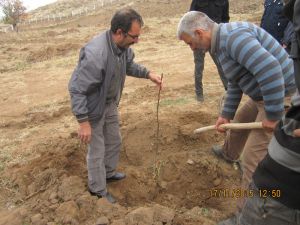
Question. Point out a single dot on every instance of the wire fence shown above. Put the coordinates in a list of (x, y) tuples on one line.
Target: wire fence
[(87, 9)]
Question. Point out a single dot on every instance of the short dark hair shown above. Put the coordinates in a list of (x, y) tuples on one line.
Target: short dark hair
[(123, 20)]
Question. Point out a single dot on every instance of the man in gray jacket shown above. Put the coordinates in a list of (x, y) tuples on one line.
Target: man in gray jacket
[(96, 86)]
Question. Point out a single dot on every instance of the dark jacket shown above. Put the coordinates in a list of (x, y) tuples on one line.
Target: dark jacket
[(288, 36), (280, 169), (217, 10), (273, 19), (292, 11)]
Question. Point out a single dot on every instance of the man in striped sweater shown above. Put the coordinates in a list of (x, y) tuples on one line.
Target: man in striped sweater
[(276, 180), (254, 64)]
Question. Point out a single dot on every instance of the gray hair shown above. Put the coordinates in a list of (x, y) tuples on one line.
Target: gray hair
[(193, 20)]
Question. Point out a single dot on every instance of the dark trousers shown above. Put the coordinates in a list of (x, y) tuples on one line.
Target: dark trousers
[(199, 56)]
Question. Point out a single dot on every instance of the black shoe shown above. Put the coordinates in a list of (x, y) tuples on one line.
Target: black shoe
[(116, 177), (106, 195)]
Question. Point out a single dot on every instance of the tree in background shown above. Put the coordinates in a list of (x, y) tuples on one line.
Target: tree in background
[(13, 11)]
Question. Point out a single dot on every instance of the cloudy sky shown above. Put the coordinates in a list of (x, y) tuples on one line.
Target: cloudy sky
[(33, 4)]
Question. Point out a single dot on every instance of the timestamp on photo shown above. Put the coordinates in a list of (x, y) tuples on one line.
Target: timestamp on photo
[(274, 193), (231, 193)]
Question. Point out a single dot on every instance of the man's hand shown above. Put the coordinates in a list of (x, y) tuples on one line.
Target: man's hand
[(221, 120), (297, 133), (155, 79), (85, 132), (269, 125)]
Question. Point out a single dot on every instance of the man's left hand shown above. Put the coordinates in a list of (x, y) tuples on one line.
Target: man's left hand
[(269, 125), (155, 79)]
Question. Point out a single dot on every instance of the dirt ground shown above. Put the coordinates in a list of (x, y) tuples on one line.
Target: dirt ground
[(170, 178)]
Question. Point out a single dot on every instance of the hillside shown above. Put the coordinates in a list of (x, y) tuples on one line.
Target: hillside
[(42, 164)]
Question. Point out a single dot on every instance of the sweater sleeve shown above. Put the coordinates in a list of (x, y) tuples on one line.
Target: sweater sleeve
[(233, 98), (134, 69), (264, 67)]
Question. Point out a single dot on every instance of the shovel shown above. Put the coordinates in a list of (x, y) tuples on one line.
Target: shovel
[(233, 126)]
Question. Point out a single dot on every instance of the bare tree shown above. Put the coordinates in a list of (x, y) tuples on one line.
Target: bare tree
[(13, 10)]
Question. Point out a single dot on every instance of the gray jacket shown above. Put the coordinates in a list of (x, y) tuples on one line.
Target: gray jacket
[(91, 78)]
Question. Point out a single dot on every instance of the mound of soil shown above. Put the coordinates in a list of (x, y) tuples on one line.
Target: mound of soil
[(173, 175), (50, 52)]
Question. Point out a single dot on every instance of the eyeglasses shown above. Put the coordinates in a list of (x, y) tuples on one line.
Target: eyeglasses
[(132, 36)]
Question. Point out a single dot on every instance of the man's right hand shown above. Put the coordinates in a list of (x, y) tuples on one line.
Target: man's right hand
[(221, 120), (297, 133), (85, 132)]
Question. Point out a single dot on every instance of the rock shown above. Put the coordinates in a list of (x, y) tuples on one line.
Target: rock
[(194, 213), (217, 181), (54, 206), (67, 213), (51, 223), (158, 223), (163, 214), (102, 221), (141, 216), (23, 212), (190, 162), (86, 201), (86, 204), (36, 218), (119, 222), (163, 185), (104, 207), (71, 188), (53, 195), (54, 201), (11, 217)]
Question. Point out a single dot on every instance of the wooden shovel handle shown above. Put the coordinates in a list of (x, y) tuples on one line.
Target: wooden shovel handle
[(233, 126)]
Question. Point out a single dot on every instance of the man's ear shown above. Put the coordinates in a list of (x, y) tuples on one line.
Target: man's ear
[(199, 33), (119, 31)]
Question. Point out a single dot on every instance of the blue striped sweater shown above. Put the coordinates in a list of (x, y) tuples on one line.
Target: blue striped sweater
[(255, 64)]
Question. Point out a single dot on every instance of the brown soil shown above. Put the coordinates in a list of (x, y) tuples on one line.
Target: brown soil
[(169, 177)]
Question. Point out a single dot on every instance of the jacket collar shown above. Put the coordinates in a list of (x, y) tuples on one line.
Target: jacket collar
[(214, 38), (115, 49)]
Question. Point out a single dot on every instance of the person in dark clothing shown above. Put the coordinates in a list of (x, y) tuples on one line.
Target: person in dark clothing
[(277, 24), (218, 11), (294, 15), (273, 19), (288, 37)]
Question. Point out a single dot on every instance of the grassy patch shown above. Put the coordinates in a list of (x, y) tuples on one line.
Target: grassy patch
[(177, 101)]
